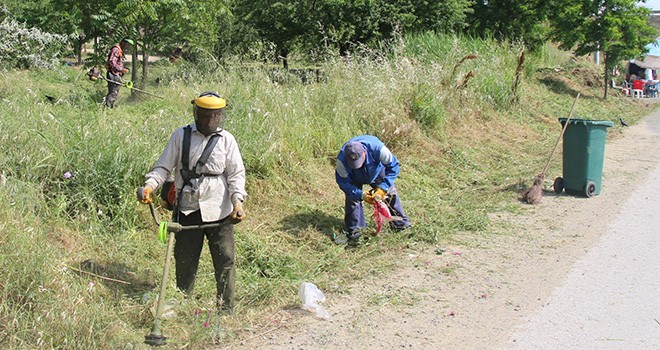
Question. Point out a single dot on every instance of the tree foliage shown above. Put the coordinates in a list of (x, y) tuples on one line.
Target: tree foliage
[(441, 16), (511, 20), (204, 26), (619, 29), (283, 23), (214, 28), (149, 23), (341, 25)]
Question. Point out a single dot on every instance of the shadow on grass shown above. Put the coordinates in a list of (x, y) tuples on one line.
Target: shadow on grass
[(117, 277), (548, 191), (558, 86), (317, 220)]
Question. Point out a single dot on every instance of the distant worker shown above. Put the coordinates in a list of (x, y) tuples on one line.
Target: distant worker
[(210, 188), (176, 54), (116, 70), (365, 160)]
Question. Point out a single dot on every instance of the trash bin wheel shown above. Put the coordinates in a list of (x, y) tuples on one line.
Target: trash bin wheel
[(590, 189), (558, 185)]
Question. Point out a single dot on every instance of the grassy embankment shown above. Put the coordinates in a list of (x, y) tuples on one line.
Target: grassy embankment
[(464, 153)]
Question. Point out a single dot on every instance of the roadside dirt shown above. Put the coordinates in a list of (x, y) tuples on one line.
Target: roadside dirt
[(473, 292)]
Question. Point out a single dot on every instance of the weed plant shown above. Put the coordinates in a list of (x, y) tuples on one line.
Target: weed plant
[(79, 261)]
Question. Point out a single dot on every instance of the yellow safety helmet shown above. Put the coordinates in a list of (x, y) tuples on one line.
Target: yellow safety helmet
[(210, 100)]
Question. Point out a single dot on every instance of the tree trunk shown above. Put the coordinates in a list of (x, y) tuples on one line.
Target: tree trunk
[(607, 84), (284, 56), (145, 64), (79, 47), (134, 66)]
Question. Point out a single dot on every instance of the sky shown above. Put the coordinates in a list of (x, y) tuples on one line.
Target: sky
[(652, 4)]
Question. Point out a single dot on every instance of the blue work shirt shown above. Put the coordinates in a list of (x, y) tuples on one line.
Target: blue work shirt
[(378, 158)]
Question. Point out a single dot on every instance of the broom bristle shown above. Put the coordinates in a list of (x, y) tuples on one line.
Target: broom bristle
[(534, 194)]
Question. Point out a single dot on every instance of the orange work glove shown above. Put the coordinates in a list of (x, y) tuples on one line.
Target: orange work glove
[(144, 194), (367, 197), (124, 70), (378, 194), (238, 214)]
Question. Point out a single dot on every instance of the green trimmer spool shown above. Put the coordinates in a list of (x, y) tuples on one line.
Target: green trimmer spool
[(162, 231)]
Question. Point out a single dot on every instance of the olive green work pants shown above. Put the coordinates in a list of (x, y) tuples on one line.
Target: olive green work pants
[(187, 251)]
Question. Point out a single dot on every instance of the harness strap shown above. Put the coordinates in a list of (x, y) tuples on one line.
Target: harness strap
[(207, 151), (186, 173), (185, 150)]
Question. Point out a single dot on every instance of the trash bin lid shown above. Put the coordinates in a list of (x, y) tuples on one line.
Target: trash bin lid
[(605, 123)]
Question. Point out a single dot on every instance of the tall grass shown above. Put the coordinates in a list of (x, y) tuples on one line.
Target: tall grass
[(79, 260)]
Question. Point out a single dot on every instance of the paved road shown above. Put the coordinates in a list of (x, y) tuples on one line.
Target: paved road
[(611, 297)]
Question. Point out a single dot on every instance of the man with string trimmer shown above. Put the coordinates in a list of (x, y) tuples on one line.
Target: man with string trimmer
[(116, 70), (209, 182)]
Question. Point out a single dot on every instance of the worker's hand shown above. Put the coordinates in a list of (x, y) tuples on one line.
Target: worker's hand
[(368, 197), (238, 214), (378, 194), (144, 194), (124, 70)]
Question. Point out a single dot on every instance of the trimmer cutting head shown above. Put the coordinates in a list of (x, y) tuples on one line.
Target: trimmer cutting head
[(155, 339)]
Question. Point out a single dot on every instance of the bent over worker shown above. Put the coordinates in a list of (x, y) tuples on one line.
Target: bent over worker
[(116, 70), (365, 160), (207, 192)]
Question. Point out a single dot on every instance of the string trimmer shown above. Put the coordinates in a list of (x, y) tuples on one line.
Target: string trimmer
[(165, 234), (94, 74)]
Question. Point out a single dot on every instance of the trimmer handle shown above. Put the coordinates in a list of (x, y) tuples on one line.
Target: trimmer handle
[(140, 193), (144, 194), (175, 227)]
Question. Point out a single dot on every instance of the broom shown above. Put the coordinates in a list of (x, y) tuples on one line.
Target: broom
[(534, 194)]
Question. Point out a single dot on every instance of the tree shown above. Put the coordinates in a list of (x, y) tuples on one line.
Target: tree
[(348, 23), (619, 29), (343, 25), (281, 22), (511, 20), (441, 16), (78, 18), (206, 28), (148, 22)]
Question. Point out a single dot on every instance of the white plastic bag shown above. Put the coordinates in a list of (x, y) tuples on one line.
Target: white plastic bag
[(310, 297), (169, 311)]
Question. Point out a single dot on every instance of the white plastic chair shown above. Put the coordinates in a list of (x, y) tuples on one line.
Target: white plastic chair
[(626, 87)]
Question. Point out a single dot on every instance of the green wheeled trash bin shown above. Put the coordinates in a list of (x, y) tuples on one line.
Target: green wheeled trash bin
[(584, 155)]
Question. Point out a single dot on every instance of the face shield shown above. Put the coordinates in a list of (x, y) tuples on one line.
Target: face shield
[(209, 110)]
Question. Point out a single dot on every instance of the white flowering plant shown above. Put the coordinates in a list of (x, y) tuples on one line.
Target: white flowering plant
[(22, 47)]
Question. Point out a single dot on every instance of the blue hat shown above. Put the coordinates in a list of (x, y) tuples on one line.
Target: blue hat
[(355, 153)]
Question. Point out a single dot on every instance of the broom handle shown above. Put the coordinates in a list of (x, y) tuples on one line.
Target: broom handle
[(560, 135)]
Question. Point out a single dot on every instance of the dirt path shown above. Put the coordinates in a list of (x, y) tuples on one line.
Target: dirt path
[(480, 289), (610, 299)]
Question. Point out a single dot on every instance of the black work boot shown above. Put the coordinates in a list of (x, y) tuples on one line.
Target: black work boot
[(353, 239), (223, 308)]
